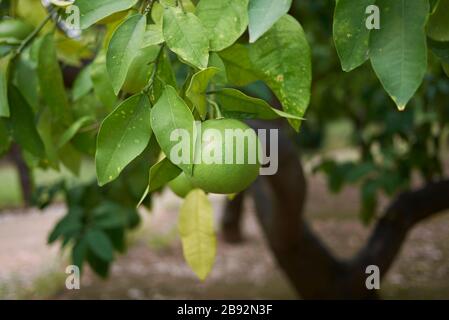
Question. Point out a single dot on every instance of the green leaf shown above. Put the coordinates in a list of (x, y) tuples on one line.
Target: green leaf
[(123, 135), (438, 25), (5, 139), (224, 20), (71, 158), (83, 84), (220, 79), (170, 115), (51, 81), (263, 14), (68, 226), (4, 105), (157, 13), (123, 47), (369, 201), (73, 129), (351, 36), (23, 124), (140, 70), (398, 49), (440, 49), (46, 128), (235, 104), (109, 215), (100, 244), (102, 85), (186, 36), (98, 265), (239, 68), (153, 35), (196, 91), (282, 57), (164, 76), (26, 80), (79, 253), (196, 227), (94, 11), (161, 173)]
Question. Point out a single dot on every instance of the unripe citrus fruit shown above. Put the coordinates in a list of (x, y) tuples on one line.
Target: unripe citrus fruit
[(181, 185), (238, 165)]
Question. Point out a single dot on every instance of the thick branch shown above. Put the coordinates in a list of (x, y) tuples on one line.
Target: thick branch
[(312, 269), (407, 210), (232, 219)]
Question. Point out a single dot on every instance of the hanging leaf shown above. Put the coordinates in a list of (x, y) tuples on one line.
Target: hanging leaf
[(140, 70), (196, 227), (220, 77), (26, 80), (73, 130), (123, 135), (282, 58), (239, 68), (94, 11), (438, 25), (186, 36), (171, 116), (23, 124), (235, 104), (224, 20), (79, 253), (100, 244), (440, 49), (83, 84), (4, 105), (263, 14), (153, 35), (47, 131), (351, 35), (71, 158), (398, 49), (196, 91), (161, 173), (123, 47), (51, 81), (101, 83)]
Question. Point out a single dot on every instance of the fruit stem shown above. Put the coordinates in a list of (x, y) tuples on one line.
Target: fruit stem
[(218, 114)]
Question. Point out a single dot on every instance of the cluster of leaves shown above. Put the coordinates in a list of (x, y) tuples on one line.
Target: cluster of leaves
[(392, 146), (146, 68), (398, 49)]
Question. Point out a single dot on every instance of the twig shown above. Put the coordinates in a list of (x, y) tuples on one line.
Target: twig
[(155, 70), (32, 35)]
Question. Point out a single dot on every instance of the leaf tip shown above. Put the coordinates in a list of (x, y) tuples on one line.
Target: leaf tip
[(401, 107)]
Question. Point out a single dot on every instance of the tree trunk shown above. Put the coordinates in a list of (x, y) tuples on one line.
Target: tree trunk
[(312, 269), (231, 220), (26, 180)]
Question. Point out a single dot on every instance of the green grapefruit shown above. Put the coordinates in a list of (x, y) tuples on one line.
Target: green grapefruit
[(221, 176), (181, 185)]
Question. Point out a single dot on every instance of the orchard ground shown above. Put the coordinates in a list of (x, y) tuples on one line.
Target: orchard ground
[(154, 266)]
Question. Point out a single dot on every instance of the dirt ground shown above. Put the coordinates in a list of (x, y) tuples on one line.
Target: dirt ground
[(154, 267)]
